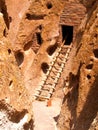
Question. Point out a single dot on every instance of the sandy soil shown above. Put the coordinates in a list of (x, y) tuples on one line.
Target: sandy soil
[(45, 116)]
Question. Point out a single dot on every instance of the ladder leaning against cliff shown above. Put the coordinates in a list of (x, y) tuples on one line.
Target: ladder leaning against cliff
[(49, 83)]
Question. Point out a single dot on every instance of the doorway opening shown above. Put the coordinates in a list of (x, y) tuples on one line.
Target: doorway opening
[(67, 34)]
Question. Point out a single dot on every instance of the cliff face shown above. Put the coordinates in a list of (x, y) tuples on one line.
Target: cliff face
[(15, 109), (80, 105), (31, 32), (38, 30)]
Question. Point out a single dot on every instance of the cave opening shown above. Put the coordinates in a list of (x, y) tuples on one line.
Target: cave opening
[(19, 58), (88, 76), (44, 67), (95, 51), (49, 5), (89, 66), (9, 51), (39, 39), (67, 34), (51, 49)]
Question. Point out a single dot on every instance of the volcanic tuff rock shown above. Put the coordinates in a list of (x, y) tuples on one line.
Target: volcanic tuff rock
[(33, 29), (15, 109), (38, 30), (80, 104)]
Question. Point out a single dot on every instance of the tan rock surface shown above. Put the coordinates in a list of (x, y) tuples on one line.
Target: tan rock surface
[(42, 17), (31, 34), (94, 125), (13, 94), (80, 103)]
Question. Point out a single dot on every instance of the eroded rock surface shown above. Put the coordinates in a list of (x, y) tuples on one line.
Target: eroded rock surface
[(31, 34), (80, 105), (15, 109), (94, 125)]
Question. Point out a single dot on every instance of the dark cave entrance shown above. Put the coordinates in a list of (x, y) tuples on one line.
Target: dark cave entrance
[(19, 58), (67, 34), (51, 49), (44, 67), (39, 39)]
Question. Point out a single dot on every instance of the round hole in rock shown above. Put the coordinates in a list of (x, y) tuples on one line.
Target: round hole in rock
[(9, 51), (95, 51), (90, 66), (51, 49), (40, 27), (27, 46), (49, 5), (91, 60), (88, 76), (19, 58), (28, 16), (44, 67)]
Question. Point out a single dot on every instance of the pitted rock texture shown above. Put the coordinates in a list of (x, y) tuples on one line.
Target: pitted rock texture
[(12, 90), (15, 10), (38, 30), (30, 35), (80, 105)]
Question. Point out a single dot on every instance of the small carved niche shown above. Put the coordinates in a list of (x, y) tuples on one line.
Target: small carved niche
[(44, 67)]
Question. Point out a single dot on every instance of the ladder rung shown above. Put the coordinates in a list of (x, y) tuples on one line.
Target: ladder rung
[(54, 72), (42, 98)]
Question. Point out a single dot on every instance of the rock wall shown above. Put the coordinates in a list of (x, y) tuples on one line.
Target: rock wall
[(15, 108), (80, 105), (29, 30), (38, 30), (94, 124)]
